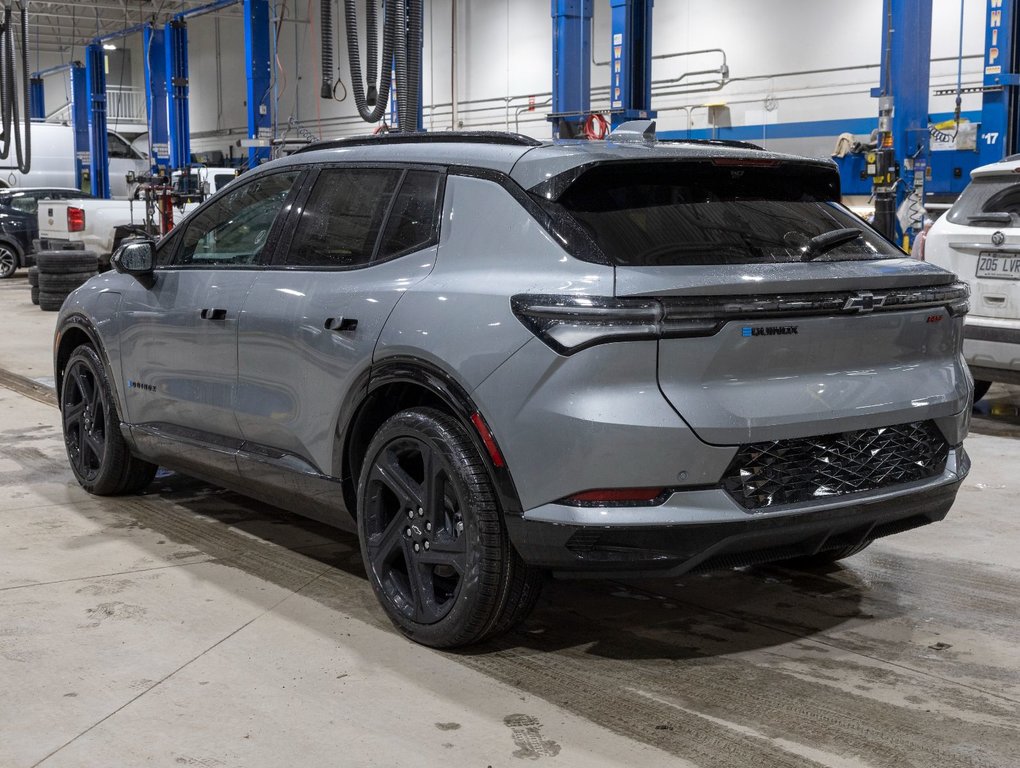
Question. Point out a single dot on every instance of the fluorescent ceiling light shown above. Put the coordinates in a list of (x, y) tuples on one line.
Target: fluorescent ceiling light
[(109, 47)]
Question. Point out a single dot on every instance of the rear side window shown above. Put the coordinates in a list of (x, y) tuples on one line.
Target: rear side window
[(358, 215), (722, 212), (988, 202)]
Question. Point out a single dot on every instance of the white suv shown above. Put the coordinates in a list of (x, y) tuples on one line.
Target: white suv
[(979, 240)]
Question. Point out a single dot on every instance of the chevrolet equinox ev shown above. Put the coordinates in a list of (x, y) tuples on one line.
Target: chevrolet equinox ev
[(496, 358)]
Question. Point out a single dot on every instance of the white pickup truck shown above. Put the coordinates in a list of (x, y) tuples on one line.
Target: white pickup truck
[(99, 225)]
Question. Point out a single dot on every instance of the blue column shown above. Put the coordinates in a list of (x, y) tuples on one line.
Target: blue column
[(257, 55), (154, 48), (906, 71), (99, 155), (571, 100), (1000, 110), (80, 124), (37, 99), (175, 40), (631, 74)]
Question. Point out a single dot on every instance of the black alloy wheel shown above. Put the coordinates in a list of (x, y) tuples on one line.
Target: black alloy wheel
[(8, 261), (432, 536), (415, 525), (84, 410), (99, 456)]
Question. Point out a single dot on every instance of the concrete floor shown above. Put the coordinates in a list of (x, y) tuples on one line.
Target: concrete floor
[(193, 627)]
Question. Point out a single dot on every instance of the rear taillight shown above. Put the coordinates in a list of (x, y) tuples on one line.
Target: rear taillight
[(75, 219), (569, 324), (617, 497)]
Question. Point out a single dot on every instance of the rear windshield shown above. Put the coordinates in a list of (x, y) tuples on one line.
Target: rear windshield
[(697, 213), (988, 202)]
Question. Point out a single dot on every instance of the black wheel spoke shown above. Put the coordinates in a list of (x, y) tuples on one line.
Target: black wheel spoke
[(72, 415), (95, 446), (396, 478), (439, 554), (382, 545), (419, 577)]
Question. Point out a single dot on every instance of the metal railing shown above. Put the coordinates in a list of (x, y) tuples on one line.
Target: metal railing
[(123, 105)]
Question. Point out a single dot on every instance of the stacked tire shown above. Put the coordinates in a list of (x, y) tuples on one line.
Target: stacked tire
[(59, 273), (33, 280)]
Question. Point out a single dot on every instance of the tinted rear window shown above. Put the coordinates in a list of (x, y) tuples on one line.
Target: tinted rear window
[(697, 213), (988, 195)]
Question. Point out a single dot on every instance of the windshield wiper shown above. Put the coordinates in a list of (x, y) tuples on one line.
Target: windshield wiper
[(826, 241), (996, 217)]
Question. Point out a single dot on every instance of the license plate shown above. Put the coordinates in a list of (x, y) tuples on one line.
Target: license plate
[(1001, 266)]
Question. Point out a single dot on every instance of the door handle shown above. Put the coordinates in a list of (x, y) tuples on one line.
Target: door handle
[(340, 324), (213, 314)]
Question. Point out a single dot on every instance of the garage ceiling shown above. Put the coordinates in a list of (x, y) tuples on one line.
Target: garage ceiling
[(64, 27)]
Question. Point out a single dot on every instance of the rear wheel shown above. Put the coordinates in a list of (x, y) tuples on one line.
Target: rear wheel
[(8, 261), (980, 389), (96, 450), (432, 537)]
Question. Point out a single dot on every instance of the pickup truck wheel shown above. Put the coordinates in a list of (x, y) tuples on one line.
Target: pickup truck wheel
[(8, 261), (58, 262), (98, 454), (432, 536)]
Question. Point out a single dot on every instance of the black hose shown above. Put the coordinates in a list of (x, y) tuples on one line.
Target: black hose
[(326, 23), (6, 71), (372, 54), (382, 76), (24, 160), (414, 51), (400, 60)]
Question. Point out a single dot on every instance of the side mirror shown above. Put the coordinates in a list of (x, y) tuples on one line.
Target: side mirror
[(135, 257)]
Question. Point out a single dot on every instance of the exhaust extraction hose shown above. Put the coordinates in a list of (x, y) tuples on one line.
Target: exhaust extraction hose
[(8, 94), (326, 24), (379, 85)]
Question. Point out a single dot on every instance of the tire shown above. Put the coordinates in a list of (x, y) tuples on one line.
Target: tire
[(35, 295), (980, 389), (99, 457), (33, 276), (424, 485), (58, 262), (51, 302), (8, 261), (825, 557), (64, 282)]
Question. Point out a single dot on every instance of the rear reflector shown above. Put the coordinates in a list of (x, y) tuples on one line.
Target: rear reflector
[(75, 219), (610, 497), (488, 440)]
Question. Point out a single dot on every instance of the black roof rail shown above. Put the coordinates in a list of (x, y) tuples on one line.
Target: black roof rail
[(715, 142), (438, 137)]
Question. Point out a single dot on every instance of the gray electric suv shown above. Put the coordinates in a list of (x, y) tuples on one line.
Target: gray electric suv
[(496, 358)]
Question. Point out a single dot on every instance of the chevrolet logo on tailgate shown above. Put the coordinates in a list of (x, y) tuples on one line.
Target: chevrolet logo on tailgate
[(863, 302)]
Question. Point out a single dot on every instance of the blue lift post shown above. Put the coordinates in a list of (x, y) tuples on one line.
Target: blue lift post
[(1000, 106), (99, 160), (902, 154), (80, 124), (178, 124), (571, 101), (631, 83), (153, 44), (258, 56), (36, 98)]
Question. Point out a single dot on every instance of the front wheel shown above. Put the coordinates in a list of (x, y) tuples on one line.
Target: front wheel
[(99, 457), (432, 538)]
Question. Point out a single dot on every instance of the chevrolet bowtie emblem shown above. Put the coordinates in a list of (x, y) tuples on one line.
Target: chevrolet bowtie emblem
[(864, 301)]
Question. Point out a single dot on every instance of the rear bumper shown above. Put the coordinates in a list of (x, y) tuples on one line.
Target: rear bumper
[(993, 350), (706, 529)]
